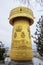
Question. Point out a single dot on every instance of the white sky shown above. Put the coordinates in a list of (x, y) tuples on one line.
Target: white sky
[(6, 28)]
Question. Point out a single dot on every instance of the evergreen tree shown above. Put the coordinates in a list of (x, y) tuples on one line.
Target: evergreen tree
[(39, 36), (2, 51)]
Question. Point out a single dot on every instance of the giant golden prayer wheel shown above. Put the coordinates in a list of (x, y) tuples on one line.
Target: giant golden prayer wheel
[(21, 48)]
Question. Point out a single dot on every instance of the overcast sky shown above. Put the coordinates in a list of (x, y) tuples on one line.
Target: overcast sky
[(6, 28)]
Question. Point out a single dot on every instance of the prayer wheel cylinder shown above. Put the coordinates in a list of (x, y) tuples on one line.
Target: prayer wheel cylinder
[(21, 48)]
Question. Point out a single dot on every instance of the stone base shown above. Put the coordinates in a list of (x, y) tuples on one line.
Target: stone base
[(21, 63)]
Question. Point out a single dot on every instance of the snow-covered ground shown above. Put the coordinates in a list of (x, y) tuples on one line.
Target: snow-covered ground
[(37, 61)]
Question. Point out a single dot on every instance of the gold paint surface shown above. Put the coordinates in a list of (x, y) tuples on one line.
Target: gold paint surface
[(21, 47), (21, 12)]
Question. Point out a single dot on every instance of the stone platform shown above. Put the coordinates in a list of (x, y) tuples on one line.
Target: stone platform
[(21, 63)]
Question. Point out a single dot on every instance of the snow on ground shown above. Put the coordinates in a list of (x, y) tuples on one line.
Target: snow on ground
[(37, 61)]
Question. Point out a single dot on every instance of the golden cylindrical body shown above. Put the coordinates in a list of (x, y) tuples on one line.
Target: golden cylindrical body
[(21, 48)]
